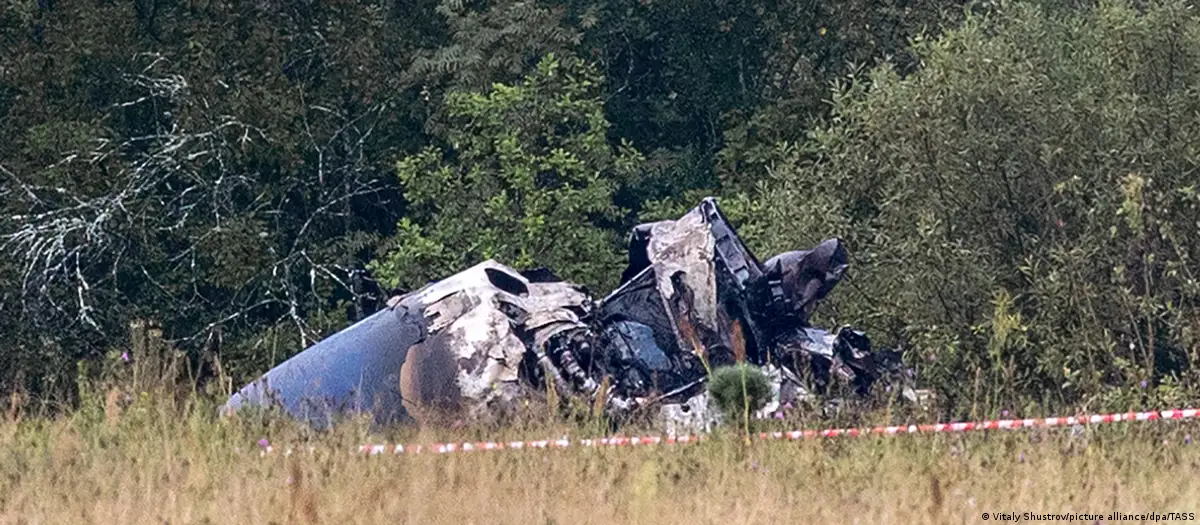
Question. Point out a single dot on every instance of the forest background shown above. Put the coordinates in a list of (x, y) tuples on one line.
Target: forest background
[(1016, 180)]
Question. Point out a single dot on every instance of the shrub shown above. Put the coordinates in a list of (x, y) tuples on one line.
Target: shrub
[(736, 389)]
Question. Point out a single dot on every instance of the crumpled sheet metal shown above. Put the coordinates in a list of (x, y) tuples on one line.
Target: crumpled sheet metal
[(805, 277), (702, 272), (692, 298), (685, 247), (436, 352)]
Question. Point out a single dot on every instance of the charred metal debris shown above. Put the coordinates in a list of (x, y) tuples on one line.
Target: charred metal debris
[(692, 299)]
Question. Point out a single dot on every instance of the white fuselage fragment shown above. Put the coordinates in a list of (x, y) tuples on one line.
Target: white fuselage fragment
[(476, 311)]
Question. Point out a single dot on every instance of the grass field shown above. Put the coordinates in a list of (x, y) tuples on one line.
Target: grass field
[(157, 465)]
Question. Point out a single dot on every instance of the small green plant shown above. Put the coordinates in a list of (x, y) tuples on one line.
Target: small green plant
[(738, 390)]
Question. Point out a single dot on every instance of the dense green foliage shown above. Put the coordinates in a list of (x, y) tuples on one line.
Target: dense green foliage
[(1022, 209), (532, 183), (1018, 188)]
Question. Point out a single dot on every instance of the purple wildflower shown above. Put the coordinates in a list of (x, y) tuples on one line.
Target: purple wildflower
[(787, 406), (263, 443), (1187, 439), (1004, 413), (125, 356), (779, 415), (1142, 384), (1021, 458)]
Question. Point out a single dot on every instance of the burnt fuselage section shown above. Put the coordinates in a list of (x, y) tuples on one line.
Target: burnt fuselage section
[(692, 299)]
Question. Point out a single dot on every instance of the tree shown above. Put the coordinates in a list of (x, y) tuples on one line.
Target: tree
[(703, 88), (1023, 206), (220, 168), (528, 180)]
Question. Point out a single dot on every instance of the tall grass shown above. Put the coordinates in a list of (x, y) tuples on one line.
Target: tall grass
[(157, 462)]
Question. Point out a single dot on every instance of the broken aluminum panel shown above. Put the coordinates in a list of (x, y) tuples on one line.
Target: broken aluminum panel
[(700, 270), (818, 342), (690, 417), (639, 300), (681, 253), (730, 252), (776, 380), (727, 247), (845, 355), (798, 280), (450, 349), (636, 324), (637, 341), (554, 308)]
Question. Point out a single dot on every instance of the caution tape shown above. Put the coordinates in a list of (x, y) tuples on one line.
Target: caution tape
[(443, 448), (998, 424), (794, 435)]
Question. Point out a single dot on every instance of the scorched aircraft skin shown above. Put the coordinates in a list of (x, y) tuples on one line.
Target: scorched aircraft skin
[(693, 298)]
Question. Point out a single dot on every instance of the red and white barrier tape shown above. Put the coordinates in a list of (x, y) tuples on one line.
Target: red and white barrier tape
[(1001, 424)]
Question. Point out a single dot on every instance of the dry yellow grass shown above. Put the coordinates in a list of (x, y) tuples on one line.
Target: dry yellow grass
[(149, 464)]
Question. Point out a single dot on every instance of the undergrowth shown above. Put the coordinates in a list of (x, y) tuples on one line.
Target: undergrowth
[(160, 459)]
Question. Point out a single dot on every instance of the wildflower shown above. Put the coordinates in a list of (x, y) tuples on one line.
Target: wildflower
[(1004, 413), (1187, 439), (779, 415), (1021, 458), (263, 443), (1142, 384), (125, 356)]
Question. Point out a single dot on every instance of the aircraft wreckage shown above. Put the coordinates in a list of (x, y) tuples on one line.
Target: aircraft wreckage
[(693, 298)]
